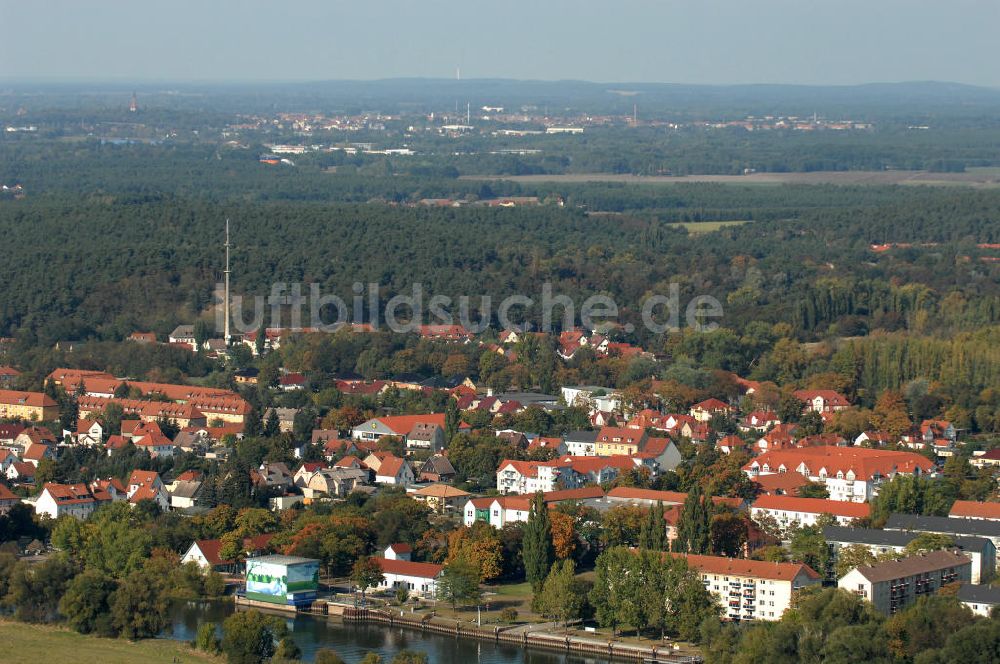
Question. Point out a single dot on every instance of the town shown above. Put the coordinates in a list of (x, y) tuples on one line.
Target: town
[(468, 488)]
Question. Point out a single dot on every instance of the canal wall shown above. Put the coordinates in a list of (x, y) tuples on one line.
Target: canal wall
[(521, 636)]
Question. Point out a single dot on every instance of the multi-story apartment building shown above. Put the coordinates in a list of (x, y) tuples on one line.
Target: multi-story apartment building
[(28, 406), (893, 585), (850, 473), (980, 550), (752, 589)]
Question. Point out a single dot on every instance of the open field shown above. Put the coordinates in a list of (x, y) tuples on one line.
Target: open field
[(973, 177), (707, 226), (28, 644)]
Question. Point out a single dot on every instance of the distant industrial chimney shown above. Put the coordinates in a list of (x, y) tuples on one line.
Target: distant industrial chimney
[(226, 334), (133, 104)]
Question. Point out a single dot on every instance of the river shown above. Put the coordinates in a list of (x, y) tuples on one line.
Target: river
[(353, 640)]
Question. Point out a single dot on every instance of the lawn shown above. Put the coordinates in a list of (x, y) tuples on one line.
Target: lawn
[(29, 644), (694, 227)]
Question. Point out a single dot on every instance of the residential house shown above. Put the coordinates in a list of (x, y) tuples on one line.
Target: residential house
[(705, 410), (35, 453), (89, 432), (184, 493), (581, 443), (792, 511), (981, 600), (850, 473), (944, 525), (206, 553), (28, 406), (291, 382), (425, 436), (971, 509), (398, 551), (147, 485), (751, 589), (760, 421), (20, 472), (419, 579), (980, 550), (501, 510), (436, 469), (277, 476), (441, 497), (8, 376), (156, 443), (334, 482), (58, 500), (183, 334), (619, 440), (390, 469), (9, 432), (7, 499), (822, 401), (893, 585)]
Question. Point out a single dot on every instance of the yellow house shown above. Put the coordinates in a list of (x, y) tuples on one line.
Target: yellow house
[(32, 406), (613, 441)]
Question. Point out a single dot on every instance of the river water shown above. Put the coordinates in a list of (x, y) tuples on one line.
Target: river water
[(353, 640)]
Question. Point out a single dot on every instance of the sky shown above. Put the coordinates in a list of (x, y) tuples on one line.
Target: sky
[(676, 41)]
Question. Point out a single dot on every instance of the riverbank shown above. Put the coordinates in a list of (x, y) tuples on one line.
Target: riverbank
[(24, 643), (525, 636)]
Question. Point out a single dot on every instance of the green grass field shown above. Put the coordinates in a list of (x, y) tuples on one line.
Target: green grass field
[(29, 644), (694, 227)]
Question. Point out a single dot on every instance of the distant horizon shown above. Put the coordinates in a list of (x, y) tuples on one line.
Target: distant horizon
[(717, 42), (126, 81)]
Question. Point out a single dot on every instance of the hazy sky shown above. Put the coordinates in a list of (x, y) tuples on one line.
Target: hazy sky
[(686, 41)]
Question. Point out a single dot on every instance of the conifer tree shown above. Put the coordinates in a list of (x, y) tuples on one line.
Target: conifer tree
[(537, 551)]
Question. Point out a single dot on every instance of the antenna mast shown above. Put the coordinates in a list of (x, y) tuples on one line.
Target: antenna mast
[(226, 333)]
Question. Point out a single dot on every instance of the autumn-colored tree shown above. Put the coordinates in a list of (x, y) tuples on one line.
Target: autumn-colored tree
[(890, 413), (343, 418), (457, 364), (480, 546), (563, 534)]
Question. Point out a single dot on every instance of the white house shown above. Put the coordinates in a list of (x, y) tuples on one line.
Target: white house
[(751, 589), (89, 432), (849, 473), (581, 443), (418, 578), (58, 500), (390, 469), (979, 599), (147, 485), (791, 511)]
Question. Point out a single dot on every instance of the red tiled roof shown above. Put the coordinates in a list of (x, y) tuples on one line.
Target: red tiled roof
[(758, 569), (403, 424), (710, 405), (409, 568), (831, 397), (976, 510), (210, 548), (33, 399), (778, 483), (865, 462), (813, 506)]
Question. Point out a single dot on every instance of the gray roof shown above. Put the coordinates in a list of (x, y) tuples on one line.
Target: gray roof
[(896, 538), (281, 560), (581, 437), (912, 565), (943, 524), (185, 489), (977, 594)]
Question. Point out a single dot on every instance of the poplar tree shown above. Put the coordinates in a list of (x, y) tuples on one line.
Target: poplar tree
[(694, 528), (537, 551)]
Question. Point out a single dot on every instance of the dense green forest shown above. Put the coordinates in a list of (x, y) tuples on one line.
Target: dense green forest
[(136, 234)]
